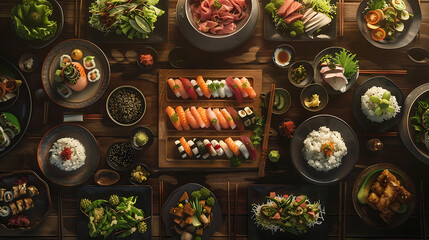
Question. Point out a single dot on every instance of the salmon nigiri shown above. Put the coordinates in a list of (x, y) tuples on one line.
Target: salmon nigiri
[(174, 87), (197, 117), (234, 88), (213, 119), (181, 89), (189, 88), (245, 84), (174, 117), (240, 86), (74, 76), (236, 118), (191, 120), (228, 118), (232, 146), (182, 118), (186, 146), (204, 117), (203, 86), (221, 118)]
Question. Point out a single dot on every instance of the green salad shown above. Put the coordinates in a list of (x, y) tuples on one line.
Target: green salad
[(420, 122), (132, 18)]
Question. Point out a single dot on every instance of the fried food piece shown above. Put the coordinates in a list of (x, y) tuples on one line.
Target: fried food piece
[(389, 195), (386, 177), (404, 195), (373, 200), (395, 206), (377, 188), (387, 216)]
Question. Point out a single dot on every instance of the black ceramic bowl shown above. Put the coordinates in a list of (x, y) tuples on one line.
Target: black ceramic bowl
[(280, 126), (149, 134), (145, 51), (128, 149), (178, 57), (307, 93), (288, 101), (291, 55), (144, 168), (138, 94), (309, 70)]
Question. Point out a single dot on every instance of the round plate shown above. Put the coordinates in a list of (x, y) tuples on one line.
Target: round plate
[(401, 39), (363, 121), (371, 216), (23, 106), (42, 201), (405, 132), (172, 201), (216, 43), (77, 176), (93, 91), (318, 76), (334, 124)]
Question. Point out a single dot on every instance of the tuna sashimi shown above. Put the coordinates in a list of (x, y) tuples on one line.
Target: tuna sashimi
[(295, 6), (282, 10), (293, 17)]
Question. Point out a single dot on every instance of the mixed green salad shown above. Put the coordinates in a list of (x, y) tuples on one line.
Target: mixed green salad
[(132, 18), (30, 19), (420, 122)]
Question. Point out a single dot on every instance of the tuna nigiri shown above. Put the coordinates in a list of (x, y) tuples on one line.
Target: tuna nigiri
[(189, 88), (242, 149), (204, 88), (245, 84), (225, 148), (181, 89), (174, 87), (213, 119), (180, 149), (209, 147), (236, 118), (203, 114), (197, 88), (250, 147), (212, 88), (220, 88), (197, 117), (234, 88), (217, 147), (186, 146), (228, 118), (222, 121), (191, 120), (240, 86), (228, 91), (232, 146), (174, 117), (182, 118)]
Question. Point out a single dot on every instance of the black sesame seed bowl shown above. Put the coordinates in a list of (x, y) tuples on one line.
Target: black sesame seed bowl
[(126, 105), (121, 156)]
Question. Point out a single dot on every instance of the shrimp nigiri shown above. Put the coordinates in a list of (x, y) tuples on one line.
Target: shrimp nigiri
[(204, 117), (212, 88), (234, 88), (197, 88), (232, 146), (186, 146), (204, 88), (197, 117), (213, 119), (224, 146), (242, 149), (191, 120), (245, 84), (217, 147), (221, 118), (174, 117), (174, 87), (189, 88), (228, 118), (181, 89), (220, 88), (228, 91), (240, 86), (182, 118), (236, 118)]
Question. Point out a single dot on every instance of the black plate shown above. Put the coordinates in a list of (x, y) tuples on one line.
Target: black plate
[(23, 106), (318, 76), (271, 34), (363, 121), (144, 202), (42, 202), (402, 39), (172, 201), (159, 34), (257, 195), (334, 124)]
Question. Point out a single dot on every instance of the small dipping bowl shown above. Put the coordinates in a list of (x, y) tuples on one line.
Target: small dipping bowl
[(283, 55), (114, 165), (281, 130), (106, 177), (22, 63), (307, 93), (144, 168), (418, 55), (178, 58), (149, 135), (309, 70), (145, 51), (285, 94)]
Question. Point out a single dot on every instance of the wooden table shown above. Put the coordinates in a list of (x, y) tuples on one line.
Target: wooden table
[(254, 53)]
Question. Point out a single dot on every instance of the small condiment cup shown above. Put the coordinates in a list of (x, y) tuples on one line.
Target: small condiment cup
[(283, 55), (310, 73), (307, 93), (144, 51), (418, 55)]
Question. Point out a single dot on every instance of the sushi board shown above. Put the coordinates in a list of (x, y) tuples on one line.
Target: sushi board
[(168, 155)]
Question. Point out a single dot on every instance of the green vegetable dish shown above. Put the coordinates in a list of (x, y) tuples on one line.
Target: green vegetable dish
[(118, 216), (31, 20), (132, 18), (420, 122), (288, 213)]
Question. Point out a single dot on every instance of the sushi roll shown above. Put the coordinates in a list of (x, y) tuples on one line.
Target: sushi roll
[(65, 60), (13, 208), (5, 211), (217, 147), (212, 88), (220, 88), (64, 91), (89, 62), (228, 91), (242, 149), (2, 190), (250, 114), (28, 203), (225, 148), (197, 88), (8, 196), (4, 139), (202, 148), (15, 190), (20, 205), (94, 75), (194, 149), (180, 149), (22, 188), (210, 147), (32, 191), (246, 119)]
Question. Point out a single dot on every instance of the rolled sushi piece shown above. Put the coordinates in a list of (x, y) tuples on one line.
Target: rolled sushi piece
[(94, 75), (89, 62), (210, 147), (250, 114), (246, 119), (229, 154), (180, 149), (8, 196), (242, 149), (8, 120), (217, 147), (4, 139), (64, 91), (65, 60), (194, 148), (5, 211), (202, 148)]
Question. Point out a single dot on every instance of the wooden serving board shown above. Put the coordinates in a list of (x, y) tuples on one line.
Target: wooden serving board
[(168, 156)]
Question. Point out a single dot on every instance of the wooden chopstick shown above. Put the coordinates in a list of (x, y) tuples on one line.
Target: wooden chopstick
[(60, 215), (391, 72), (385, 134), (75, 18), (94, 116), (161, 195), (344, 210), (341, 7), (229, 212), (264, 153), (422, 212), (45, 112), (340, 216), (80, 16), (235, 211)]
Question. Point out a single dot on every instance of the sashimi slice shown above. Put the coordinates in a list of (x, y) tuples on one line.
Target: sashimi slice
[(234, 88), (236, 118), (282, 10), (181, 89), (189, 88), (294, 7), (250, 147), (292, 18)]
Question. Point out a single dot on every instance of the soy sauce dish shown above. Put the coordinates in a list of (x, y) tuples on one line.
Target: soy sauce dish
[(283, 56)]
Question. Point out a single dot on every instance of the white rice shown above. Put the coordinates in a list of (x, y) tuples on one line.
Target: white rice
[(369, 107), (312, 149), (78, 156)]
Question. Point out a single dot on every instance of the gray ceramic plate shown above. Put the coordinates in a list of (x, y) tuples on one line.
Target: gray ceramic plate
[(77, 176), (334, 124), (363, 121), (93, 91), (402, 39)]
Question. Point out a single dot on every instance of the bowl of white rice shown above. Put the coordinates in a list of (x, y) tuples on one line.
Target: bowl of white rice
[(366, 104), (68, 154), (324, 149)]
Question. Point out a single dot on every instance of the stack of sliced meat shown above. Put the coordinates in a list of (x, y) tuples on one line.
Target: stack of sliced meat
[(334, 77), (314, 20), (289, 11)]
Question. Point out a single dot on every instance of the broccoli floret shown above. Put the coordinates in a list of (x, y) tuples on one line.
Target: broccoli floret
[(274, 156), (205, 193), (271, 8), (210, 201), (196, 194), (278, 3), (297, 27)]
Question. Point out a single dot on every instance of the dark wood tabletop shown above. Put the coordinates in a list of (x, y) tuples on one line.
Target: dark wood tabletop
[(255, 53)]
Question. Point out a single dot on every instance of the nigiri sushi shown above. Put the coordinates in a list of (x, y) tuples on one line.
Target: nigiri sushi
[(210, 147), (240, 86), (182, 118), (191, 120), (204, 88), (197, 117), (213, 119), (234, 88), (228, 118), (174, 87), (228, 91), (197, 88), (242, 149), (202, 148), (189, 88), (212, 88), (222, 121), (250, 147), (232, 146), (174, 117), (186, 146), (225, 148), (236, 118), (220, 88), (180, 149), (182, 90), (203, 114), (246, 86), (194, 149), (217, 147)]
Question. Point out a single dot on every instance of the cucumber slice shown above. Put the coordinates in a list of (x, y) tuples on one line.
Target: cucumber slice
[(281, 102), (135, 26), (143, 24)]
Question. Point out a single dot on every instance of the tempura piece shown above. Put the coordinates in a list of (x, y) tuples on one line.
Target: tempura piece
[(386, 177), (395, 206), (389, 195), (404, 195), (373, 200), (377, 188)]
